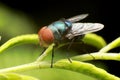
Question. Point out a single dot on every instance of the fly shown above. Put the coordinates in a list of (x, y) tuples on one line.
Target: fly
[(66, 29)]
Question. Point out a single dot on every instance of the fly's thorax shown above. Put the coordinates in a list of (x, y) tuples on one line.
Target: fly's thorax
[(46, 36), (60, 28)]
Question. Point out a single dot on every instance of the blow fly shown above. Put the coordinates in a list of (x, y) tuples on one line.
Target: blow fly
[(66, 29)]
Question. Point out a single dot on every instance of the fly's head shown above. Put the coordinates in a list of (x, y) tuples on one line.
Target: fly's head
[(46, 36)]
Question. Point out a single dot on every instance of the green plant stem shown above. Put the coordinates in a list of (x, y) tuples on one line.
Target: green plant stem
[(97, 56), (25, 67), (94, 40), (33, 38), (45, 53), (29, 38), (111, 45), (85, 57), (90, 39), (80, 67), (85, 68), (77, 66)]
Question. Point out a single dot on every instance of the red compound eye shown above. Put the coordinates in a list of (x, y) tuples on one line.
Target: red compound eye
[(46, 36)]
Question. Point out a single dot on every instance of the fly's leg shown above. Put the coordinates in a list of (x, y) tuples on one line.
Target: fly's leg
[(68, 50), (43, 50), (69, 58), (84, 49), (75, 38), (52, 59)]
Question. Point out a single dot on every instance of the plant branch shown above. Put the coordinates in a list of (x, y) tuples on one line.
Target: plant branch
[(33, 38), (94, 40), (25, 67), (77, 66), (30, 38), (97, 56), (85, 68), (111, 45)]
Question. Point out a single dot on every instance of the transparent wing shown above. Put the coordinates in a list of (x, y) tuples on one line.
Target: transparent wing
[(77, 18), (83, 28)]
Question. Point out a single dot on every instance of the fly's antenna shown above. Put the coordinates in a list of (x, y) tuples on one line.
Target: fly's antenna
[(77, 18)]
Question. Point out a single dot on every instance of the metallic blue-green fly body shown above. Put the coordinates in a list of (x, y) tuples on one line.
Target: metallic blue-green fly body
[(59, 28)]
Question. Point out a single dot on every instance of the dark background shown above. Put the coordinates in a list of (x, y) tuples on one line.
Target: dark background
[(44, 12)]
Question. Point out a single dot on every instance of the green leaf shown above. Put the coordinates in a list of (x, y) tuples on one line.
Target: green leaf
[(94, 40), (14, 76)]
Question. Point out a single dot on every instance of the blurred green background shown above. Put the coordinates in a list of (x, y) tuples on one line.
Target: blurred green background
[(19, 18)]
